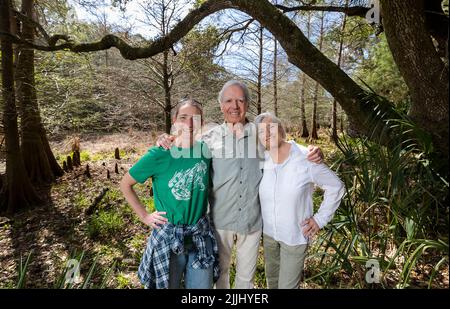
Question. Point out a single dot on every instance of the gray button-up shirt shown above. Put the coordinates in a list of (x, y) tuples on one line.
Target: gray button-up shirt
[(236, 174)]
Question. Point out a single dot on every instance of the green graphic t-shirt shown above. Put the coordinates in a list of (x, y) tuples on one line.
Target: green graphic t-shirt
[(180, 179)]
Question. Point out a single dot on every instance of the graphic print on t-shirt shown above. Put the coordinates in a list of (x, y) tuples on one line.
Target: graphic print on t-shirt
[(182, 182)]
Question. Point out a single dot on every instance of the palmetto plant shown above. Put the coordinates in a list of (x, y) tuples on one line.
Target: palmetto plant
[(393, 211), (22, 271)]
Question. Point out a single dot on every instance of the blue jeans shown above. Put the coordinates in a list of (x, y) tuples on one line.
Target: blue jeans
[(182, 265)]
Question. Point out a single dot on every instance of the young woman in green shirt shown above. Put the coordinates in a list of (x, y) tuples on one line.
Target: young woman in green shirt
[(182, 244)]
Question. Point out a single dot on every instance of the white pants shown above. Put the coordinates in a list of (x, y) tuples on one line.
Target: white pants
[(247, 248)]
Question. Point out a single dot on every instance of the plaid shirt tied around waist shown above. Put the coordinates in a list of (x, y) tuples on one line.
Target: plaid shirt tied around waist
[(153, 270)]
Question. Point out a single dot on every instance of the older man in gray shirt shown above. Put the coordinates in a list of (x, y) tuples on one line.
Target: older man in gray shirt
[(236, 174)]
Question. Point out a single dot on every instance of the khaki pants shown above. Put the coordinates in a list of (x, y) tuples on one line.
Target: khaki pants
[(247, 248), (284, 264)]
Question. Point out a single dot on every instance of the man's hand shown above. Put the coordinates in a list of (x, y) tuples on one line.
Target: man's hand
[(310, 227), (155, 219), (315, 155), (165, 141)]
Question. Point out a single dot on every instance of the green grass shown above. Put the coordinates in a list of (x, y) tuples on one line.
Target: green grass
[(109, 253), (105, 223), (114, 194), (5, 227), (260, 274), (101, 156), (22, 271), (317, 198), (149, 204), (138, 241), (137, 244), (82, 201), (61, 187), (84, 156), (123, 282), (122, 153)]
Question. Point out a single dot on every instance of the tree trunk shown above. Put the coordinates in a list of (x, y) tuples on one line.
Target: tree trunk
[(424, 72), (54, 165), (314, 134), (304, 127), (167, 92), (17, 191), (259, 81), (36, 151), (275, 86), (334, 135)]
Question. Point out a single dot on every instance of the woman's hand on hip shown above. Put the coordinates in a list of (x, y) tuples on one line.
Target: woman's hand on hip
[(155, 219), (310, 227)]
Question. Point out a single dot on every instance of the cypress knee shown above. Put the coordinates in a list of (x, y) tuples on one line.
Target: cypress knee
[(77, 155), (87, 172), (69, 163), (74, 159)]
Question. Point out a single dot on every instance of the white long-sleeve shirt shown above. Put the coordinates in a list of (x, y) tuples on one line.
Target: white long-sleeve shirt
[(286, 191)]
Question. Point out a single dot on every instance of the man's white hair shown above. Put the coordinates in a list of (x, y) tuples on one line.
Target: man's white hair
[(234, 82)]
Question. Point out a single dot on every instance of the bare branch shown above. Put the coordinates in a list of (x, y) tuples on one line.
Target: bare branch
[(130, 52), (26, 19), (300, 51)]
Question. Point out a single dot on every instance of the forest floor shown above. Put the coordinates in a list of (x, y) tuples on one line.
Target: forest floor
[(61, 229), (108, 235)]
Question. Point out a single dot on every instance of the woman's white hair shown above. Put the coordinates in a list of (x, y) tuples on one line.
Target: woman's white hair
[(274, 119), (234, 82)]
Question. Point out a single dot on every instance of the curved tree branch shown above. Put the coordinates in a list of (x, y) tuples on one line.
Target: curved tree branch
[(301, 52), (128, 51)]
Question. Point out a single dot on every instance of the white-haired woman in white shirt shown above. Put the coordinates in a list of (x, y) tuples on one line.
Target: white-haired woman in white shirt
[(285, 194)]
